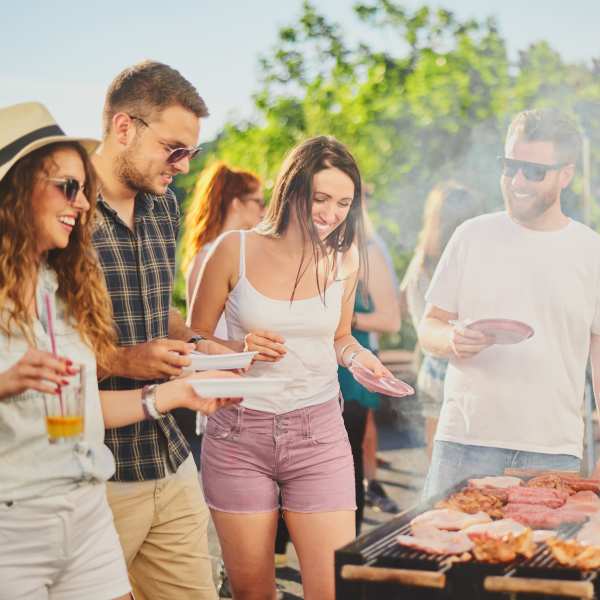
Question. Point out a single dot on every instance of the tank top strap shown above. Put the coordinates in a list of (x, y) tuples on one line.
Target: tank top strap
[(242, 254)]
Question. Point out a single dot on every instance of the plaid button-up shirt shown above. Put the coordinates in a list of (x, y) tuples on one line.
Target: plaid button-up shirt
[(139, 268)]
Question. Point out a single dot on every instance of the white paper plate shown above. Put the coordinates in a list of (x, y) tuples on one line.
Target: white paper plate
[(207, 362), (239, 386)]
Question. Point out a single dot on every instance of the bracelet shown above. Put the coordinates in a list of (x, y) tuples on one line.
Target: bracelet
[(149, 403), (353, 355), (354, 320), (343, 350)]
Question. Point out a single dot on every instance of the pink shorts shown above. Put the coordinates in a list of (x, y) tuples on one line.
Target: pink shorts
[(250, 456)]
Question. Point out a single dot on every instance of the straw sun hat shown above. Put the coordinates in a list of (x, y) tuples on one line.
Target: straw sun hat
[(26, 127)]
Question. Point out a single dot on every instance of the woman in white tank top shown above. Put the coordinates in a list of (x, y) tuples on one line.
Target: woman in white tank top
[(287, 290)]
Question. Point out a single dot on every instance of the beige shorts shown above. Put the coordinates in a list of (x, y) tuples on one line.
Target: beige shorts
[(162, 525), (61, 548)]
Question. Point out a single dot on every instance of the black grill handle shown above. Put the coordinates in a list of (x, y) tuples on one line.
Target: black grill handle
[(429, 579), (553, 587)]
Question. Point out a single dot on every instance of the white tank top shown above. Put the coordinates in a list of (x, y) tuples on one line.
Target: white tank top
[(308, 327)]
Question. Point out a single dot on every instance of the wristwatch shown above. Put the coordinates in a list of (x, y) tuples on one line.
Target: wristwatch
[(195, 339)]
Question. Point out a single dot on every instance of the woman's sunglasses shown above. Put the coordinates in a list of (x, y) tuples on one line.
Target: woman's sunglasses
[(70, 187), (175, 154), (531, 171)]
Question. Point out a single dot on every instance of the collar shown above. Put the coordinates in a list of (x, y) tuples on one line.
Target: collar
[(144, 205)]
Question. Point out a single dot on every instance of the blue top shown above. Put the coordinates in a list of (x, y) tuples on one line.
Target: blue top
[(351, 389)]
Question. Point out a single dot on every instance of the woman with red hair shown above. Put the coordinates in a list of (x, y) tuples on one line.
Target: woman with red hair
[(224, 199)]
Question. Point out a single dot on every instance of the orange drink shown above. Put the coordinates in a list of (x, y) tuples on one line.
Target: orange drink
[(65, 411), (64, 427)]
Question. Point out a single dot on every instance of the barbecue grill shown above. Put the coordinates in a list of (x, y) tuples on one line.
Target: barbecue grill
[(376, 567)]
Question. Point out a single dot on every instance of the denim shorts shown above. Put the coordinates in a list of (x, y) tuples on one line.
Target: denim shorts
[(452, 462), (249, 456)]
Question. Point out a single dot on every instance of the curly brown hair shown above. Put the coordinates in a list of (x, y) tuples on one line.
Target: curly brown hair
[(81, 284)]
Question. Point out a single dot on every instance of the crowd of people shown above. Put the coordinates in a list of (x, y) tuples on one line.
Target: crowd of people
[(88, 237)]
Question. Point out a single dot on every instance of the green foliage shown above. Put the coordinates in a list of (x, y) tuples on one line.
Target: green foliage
[(435, 107)]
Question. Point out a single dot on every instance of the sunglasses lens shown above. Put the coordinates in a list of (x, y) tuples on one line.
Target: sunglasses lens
[(534, 172), (181, 153), (509, 168), (531, 172), (177, 155), (71, 189)]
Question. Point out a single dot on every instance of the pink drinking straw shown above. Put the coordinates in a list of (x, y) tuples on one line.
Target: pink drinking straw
[(49, 305)]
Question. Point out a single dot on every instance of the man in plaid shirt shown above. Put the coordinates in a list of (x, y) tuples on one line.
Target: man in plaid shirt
[(151, 127)]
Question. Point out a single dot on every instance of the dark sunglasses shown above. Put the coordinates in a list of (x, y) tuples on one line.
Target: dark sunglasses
[(531, 171), (175, 154), (70, 187)]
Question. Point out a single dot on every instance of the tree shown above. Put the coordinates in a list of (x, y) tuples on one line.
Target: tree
[(435, 107)]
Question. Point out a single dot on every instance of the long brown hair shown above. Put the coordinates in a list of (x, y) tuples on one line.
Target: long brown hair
[(80, 280), (447, 206), (294, 192), (213, 193)]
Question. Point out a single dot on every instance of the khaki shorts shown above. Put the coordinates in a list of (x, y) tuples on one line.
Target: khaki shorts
[(61, 548), (162, 525)]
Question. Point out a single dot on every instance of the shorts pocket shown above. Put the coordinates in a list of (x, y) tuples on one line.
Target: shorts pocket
[(332, 433), (220, 428)]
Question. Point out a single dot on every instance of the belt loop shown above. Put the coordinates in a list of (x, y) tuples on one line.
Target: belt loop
[(341, 402), (238, 420), (306, 423)]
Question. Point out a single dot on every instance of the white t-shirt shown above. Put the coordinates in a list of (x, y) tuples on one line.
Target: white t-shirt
[(526, 396)]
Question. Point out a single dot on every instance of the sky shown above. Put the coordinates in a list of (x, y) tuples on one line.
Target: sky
[(64, 53)]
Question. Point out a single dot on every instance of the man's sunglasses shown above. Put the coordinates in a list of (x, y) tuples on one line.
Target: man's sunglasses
[(70, 187), (175, 154), (531, 171)]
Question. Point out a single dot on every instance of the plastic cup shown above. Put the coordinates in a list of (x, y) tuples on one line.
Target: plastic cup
[(65, 412)]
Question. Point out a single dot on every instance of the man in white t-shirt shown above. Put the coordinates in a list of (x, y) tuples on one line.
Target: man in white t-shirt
[(517, 405)]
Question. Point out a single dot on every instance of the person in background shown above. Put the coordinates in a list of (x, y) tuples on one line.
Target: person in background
[(447, 206), (376, 310), (287, 289), (517, 405), (55, 310), (151, 126), (224, 199)]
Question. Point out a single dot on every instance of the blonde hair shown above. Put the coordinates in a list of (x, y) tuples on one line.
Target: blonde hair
[(447, 206), (81, 283)]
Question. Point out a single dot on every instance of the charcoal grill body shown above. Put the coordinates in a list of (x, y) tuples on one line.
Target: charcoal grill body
[(462, 581)]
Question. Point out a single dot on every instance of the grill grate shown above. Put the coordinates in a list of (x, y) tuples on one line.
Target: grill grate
[(465, 579)]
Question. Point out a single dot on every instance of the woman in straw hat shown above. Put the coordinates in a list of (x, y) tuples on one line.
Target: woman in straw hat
[(57, 533)]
